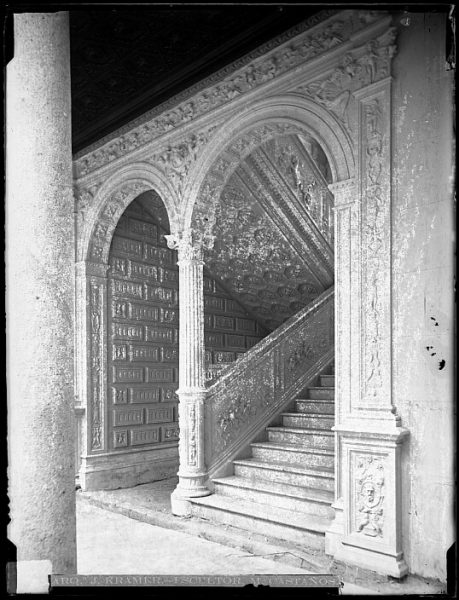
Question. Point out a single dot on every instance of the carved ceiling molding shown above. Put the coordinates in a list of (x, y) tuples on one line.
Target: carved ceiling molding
[(283, 202), (296, 168), (313, 38)]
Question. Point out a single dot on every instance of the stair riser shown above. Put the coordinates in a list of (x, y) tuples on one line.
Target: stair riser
[(306, 440), (321, 394), (293, 458), (296, 505), (307, 422), (311, 407), (268, 528), (327, 380), (254, 474)]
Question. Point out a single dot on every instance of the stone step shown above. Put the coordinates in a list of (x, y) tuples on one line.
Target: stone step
[(315, 406), (327, 380), (321, 393), (299, 528), (313, 421), (290, 497), (293, 454), (321, 478), (309, 438)]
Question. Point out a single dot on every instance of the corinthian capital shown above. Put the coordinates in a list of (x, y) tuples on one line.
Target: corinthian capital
[(190, 244)]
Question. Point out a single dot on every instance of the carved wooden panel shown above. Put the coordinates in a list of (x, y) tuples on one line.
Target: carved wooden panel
[(142, 332)]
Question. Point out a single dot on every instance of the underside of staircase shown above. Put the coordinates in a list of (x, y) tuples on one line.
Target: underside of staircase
[(285, 489)]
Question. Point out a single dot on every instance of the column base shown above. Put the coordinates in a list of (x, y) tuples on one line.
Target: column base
[(381, 563), (185, 490)]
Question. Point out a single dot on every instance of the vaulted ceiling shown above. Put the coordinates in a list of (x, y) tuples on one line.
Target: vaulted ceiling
[(273, 233), (129, 59)]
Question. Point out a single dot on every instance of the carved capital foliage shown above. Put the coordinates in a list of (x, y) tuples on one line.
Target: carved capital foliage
[(189, 244)]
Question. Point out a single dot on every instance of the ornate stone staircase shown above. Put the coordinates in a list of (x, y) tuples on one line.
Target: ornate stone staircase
[(284, 490)]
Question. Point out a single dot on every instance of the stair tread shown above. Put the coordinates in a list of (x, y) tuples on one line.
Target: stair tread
[(300, 430), (307, 415), (325, 400), (292, 448), (248, 508), (301, 492), (287, 467), (321, 387)]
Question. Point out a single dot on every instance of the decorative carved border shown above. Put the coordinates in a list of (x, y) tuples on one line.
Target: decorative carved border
[(314, 37)]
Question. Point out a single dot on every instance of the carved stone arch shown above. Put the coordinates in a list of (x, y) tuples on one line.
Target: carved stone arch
[(287, 113), (112, 199), (98, 213)]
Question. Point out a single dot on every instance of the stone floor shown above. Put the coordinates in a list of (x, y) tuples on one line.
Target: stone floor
[(132, 531)]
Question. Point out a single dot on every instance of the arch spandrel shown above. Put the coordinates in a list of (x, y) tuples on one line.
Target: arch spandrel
[(97, 221), (240, 135)]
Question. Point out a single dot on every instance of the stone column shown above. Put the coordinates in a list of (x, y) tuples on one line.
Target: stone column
[(191, 392), (40, 294)]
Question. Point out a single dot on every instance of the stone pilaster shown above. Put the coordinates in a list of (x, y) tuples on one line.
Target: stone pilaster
[(40, 293), (369, 436), (191, 392)]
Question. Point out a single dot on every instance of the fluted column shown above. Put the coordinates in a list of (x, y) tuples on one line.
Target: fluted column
[(192, 471), (40, 294)]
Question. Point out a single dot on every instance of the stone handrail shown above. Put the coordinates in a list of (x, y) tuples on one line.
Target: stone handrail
[(251, 391)]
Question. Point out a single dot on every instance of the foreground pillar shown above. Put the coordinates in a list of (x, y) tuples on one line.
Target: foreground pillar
[(192, 471), (367, 531), (40, 294)]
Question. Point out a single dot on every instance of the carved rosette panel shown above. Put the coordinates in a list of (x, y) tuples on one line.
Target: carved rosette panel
[(375, 233), (302, 43), (97, 294), (368, 494)]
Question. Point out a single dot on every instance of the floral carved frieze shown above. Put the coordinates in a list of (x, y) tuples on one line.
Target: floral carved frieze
[(176, 160), (97, 391), (359, 67), (277, 57), (369, 492)]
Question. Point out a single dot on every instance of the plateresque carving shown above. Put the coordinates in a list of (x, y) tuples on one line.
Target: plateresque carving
[(369, 495), (359, 67), (276, 58)]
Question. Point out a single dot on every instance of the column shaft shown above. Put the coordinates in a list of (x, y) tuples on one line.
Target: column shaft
[(191, 392), (40, 292)]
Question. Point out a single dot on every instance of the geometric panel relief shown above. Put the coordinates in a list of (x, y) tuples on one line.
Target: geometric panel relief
[(143, 334)]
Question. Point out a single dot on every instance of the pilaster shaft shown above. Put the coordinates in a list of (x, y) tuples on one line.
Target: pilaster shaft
[(191, 392), (40, 294)]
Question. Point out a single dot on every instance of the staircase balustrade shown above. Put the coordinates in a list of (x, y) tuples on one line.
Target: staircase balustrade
[(251, 391)]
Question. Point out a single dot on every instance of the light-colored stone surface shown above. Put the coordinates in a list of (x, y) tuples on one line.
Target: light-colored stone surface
[(40, 293), (422, 255), (110, 543)]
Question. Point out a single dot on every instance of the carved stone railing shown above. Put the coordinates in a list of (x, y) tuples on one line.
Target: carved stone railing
[(250, 392)]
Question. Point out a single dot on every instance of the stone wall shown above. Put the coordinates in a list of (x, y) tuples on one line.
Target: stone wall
[(422, 255)]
